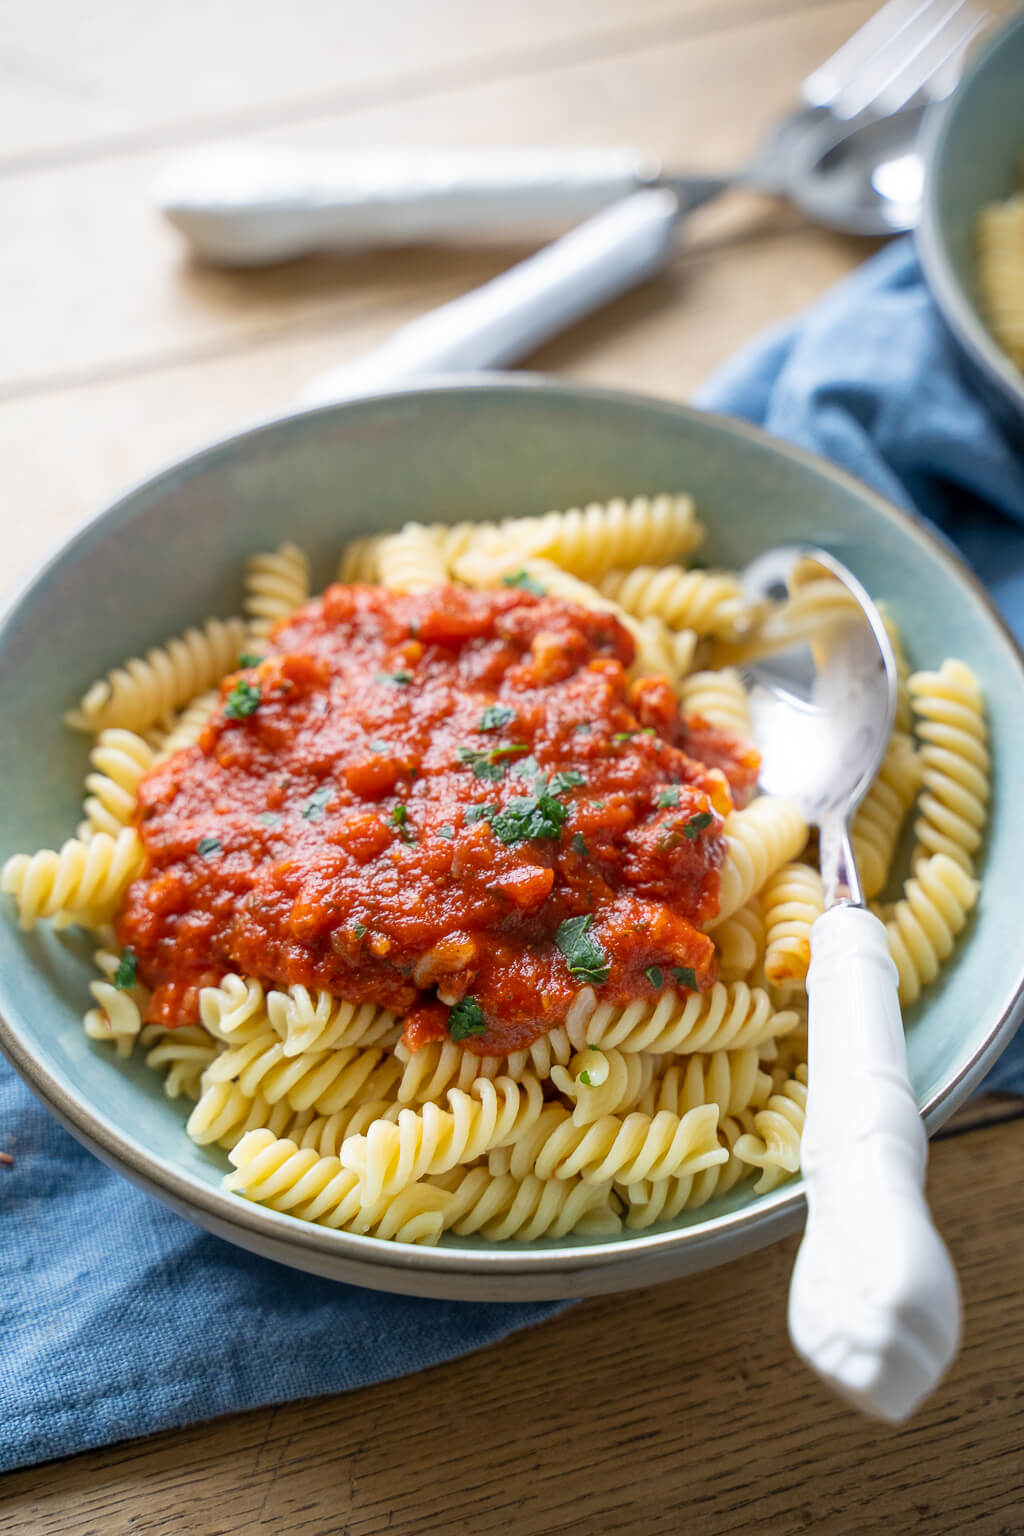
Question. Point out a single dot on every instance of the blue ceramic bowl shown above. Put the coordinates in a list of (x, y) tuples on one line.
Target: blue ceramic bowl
[(171, 552), (973, 149)]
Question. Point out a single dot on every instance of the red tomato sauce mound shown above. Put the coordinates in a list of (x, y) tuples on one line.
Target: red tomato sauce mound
[(408, 801)]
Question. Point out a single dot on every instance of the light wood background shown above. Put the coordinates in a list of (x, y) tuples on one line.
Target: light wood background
[(675, 1410)]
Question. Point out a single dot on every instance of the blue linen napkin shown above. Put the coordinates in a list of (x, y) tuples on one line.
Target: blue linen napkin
[(119, 1318)]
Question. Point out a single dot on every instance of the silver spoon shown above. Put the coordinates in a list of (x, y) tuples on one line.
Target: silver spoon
[(874, 1306)]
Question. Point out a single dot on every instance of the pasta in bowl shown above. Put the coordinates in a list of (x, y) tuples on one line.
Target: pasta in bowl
[(445, 901)]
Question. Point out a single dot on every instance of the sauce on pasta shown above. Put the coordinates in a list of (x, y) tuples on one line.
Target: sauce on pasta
[(454, 804)]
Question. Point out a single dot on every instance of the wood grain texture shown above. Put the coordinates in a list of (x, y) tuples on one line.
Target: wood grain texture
[(673, 1410)]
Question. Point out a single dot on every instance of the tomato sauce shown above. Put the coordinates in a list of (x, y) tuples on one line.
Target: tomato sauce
[(452, 800)]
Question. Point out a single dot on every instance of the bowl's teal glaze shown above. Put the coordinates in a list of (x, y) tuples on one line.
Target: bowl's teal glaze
[(974, 151), (171, 552)]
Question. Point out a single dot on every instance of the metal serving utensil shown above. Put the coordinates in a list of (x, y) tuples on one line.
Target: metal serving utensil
[(874, 1306)]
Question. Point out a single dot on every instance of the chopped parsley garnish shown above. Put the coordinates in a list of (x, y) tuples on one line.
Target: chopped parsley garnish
[(481, 764), (495, 716), (697, 824), (522, 578), (599, 805), (398, 679), (358, 928), (268, 818), (447, 831), (584, 1078), (686, 976), (514, 749), (654, 976), (466, 1018), (378, 746), (561, 783), (482, 812), (209, 845), (400, 817), (313, 810), (586, 959), (579, 845), (669, 798), (584, 728), (242, 700), (526, 768), (125, 975), (621, 736), (529, 817), (249, 659)]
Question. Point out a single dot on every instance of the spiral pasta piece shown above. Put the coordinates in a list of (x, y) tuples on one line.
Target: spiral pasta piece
[(146, 690), (277, 1173), (276, 583), (731, 1079), (649, 1201), (429, 1072), (223, 1114), (120, 760), (725, 1017), (718, 697), (604, 1082), (739, 943), (187, 727), (591, 540), (707, 602), (774, 1144), (955, 765), (1000, 245), (636, 1146), (505, 1209), (79, 883), (937, 901), (359, 560), (117, 1017), (761, 838), (432, 1140), (182, 1054), (876, 826), (793, 900), (320, 1080), (238, 1001), (412, 560), (316, 1021)]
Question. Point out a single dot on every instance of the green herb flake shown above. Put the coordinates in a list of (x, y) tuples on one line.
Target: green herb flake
[(527, 768), (584, 728), (586, 959), (482, 812), (359, 929), (126, 974), (528, 583), (514, 749), (685, 976), (481, 764), (447, 831), (269, 819), (207, 846), (621, 736), (396, 679), (598, 805), (697, 824), (654, 976), (466, 1018), (570, 778), (668, 799), (242, 700), (530, 817), (313, 810), (593, 1048), (495, 716), (378, 746), (249, 659), (584, 1078), (400, 815), (579, 845)]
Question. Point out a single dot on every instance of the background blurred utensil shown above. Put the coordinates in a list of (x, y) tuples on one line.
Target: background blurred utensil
[(874, 1306), (845, 157)]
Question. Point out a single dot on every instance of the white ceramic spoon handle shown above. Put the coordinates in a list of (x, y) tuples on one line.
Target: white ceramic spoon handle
[(507, 318), (244, 205), (874, 1305)]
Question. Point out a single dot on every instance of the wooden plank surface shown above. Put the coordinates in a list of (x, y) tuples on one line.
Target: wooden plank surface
[(675, 1410)]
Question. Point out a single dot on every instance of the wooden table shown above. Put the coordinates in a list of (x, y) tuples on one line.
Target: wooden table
[(674, 1410)]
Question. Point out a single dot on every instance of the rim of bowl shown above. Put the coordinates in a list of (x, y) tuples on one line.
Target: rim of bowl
[(295, 1242), (956, 303)]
